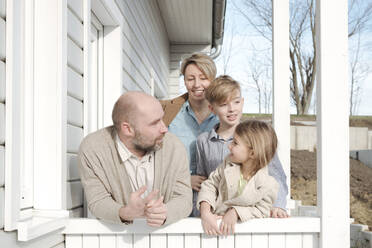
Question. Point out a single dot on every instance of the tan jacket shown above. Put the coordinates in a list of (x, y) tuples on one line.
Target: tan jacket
[(172, 107), (220, 190), (106, 183)]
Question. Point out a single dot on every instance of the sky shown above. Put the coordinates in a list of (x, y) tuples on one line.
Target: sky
[(244, 40)]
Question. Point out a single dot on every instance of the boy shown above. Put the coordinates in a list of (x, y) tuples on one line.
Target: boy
[(224, 97)]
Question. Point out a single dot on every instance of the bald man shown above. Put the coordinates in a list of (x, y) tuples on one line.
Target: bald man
[(136, 169)]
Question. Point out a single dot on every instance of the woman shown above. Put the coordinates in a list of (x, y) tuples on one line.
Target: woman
[(188, 115)]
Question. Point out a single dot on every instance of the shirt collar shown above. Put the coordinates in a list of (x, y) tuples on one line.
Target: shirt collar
[(213, 135), (125, 154)]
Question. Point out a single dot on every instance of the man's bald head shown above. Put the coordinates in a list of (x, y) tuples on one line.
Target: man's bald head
[(130, 106)]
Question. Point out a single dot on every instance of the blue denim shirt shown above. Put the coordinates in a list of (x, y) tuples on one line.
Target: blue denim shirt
[(186, 127)]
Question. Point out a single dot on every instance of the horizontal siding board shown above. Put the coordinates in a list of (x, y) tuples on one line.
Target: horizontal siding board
[(77, 7), (132, 54), (74, 111), (75, 56), (2, 166), (74, 195), (74, 138), (2, 204), (129, 67), (2, 123), (128, 83), (75, 84), (137, 50), (2, 82), (75, 28), (3, 9), (128, 9), (72, 167), (131, 31), (2, 39)]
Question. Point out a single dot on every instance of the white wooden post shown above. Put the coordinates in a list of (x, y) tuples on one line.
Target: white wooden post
[(333, 122), (281, 97), (13, 113), (50, 89)]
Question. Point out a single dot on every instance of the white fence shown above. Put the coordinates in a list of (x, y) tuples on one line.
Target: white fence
[(294, 232)]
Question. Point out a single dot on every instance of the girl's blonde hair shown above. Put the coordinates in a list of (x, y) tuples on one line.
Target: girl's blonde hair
[(203, 62), (261, 138)]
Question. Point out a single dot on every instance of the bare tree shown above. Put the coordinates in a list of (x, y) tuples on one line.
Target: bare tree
[(302, 39), (258, 72), (358, 73), (229, 47)]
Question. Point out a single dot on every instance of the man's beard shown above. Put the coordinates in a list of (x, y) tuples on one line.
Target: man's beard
[(140, 143)]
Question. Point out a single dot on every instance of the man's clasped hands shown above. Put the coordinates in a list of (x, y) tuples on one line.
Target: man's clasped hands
[(150, 207)]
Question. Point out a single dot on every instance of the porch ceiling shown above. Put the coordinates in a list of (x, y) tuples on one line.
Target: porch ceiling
[(188, 22)]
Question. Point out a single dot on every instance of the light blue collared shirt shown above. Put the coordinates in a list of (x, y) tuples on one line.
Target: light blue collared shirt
[(186, 127)]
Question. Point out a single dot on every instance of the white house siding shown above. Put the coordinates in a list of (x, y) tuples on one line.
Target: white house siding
[(145, 47), (177, 53), (75, 104), (2, 108)]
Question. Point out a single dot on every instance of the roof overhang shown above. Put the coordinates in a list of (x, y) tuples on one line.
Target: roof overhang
[(194, 21)]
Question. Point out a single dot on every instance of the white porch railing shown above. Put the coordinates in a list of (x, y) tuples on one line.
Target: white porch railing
[(296, 232)]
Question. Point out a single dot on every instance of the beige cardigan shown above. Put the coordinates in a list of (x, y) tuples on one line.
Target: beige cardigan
[(220, 190), (106, 183)]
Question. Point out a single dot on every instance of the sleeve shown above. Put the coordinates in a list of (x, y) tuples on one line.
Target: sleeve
[(180, 204), (99, 200), (200, 158), (262, 208), (209, 188), (276, 170)]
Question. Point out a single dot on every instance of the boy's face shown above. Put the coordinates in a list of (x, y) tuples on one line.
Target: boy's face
[(230, 111)]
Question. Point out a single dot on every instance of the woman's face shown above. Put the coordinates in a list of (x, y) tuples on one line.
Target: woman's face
[(196, 82)]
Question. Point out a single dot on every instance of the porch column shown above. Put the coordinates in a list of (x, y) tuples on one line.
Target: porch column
[(333, 122), (281, 97)]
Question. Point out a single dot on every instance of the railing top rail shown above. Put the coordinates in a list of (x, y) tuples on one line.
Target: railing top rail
[(193, 225)]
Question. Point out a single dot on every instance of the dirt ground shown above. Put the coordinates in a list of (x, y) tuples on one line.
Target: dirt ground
[(303, 185)]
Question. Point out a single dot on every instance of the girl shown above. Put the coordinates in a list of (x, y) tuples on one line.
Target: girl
[(240, 188)]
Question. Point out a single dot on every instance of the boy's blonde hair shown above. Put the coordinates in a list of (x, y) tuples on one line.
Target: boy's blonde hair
[(261, 138), (221, 89), (203, 62)]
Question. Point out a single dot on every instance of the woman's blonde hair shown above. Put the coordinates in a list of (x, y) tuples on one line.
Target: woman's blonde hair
[(261, 138), (203, 62), (221, 89)]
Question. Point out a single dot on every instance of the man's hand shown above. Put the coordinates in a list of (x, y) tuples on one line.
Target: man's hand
[(196, 182), (156, 212), (279, 213), (136, 206), (227, 225)]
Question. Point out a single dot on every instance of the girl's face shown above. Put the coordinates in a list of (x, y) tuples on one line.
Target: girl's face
[(196, 82), (239, 151)]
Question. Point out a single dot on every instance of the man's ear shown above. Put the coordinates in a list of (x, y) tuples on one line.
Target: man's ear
[(127, 129)]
